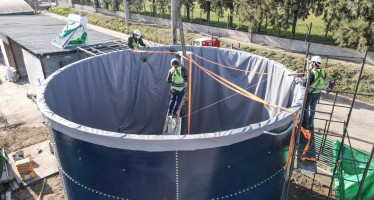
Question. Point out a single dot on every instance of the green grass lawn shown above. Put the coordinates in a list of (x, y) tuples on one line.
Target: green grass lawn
[(198, 16)]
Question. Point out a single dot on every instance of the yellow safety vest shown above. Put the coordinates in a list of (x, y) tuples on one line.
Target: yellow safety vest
[(319, 81), (134, 43), (177, 81)]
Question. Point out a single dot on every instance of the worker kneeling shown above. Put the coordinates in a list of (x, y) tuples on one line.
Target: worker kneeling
[(177, 78)]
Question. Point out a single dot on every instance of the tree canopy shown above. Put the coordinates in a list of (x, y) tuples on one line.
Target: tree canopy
[(350, 21), (352, 24)]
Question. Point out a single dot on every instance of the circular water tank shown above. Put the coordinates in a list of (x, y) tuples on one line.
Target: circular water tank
[(107, 115)]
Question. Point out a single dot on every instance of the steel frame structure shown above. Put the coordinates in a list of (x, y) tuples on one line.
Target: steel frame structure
[(102, 48), (322, 157)]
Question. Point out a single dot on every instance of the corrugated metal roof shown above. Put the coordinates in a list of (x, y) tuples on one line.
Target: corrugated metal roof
[(36, 32), (15, 7)]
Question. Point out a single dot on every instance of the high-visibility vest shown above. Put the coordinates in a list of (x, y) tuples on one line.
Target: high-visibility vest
[(177, 81), (319, 81), (135, 43)]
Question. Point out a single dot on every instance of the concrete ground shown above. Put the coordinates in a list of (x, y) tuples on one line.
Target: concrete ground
[(360, 127)]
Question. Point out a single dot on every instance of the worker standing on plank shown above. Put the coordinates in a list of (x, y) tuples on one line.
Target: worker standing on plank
[(316, 84), (135, 40), (177, 78)]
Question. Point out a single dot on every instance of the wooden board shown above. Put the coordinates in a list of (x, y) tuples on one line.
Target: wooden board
[(44, 162)]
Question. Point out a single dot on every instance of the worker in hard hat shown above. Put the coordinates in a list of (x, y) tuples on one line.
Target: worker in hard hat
[(316, 84), (135, 40), (177, 78)]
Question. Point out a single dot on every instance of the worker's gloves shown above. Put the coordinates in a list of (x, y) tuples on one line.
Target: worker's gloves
[(300, 81)]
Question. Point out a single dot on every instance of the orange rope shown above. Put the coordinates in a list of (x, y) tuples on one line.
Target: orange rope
[(292, 140), (239, 90), (308, 135), (246, 71), (249, 95)]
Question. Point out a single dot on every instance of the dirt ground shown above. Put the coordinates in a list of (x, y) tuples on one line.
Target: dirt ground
[(21, 125), (300, 188)]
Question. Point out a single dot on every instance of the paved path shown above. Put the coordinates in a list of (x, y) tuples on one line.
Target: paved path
[(360, 127), (14, 103)]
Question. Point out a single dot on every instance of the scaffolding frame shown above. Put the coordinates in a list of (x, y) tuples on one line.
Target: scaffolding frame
[(325, 133), (103, 48)]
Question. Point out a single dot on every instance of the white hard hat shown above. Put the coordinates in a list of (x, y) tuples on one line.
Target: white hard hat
[(173, 60), (137, 32), (317, 60)]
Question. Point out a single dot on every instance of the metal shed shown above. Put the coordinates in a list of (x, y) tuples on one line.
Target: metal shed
[(26, 44)]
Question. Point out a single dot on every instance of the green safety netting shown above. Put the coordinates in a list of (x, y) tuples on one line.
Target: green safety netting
[(347, 181)]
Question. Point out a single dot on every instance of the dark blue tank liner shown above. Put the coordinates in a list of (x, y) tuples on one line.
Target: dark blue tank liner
[(107, 114), (202, 174)]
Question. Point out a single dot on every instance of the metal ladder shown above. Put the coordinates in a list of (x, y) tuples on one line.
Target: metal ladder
[(172, 125)]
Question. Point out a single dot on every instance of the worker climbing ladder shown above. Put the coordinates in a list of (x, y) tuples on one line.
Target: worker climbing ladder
[(173, 126), (326, 159)]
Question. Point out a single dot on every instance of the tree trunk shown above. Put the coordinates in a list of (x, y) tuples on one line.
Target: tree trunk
[(327, 29), (260, 23), (208, 14), (96, 4), (295, 13), (266, 23), (231, 18), (370, 39), (174, 22), (154, 8), (126, 10), (115, 5), (188, 12)]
